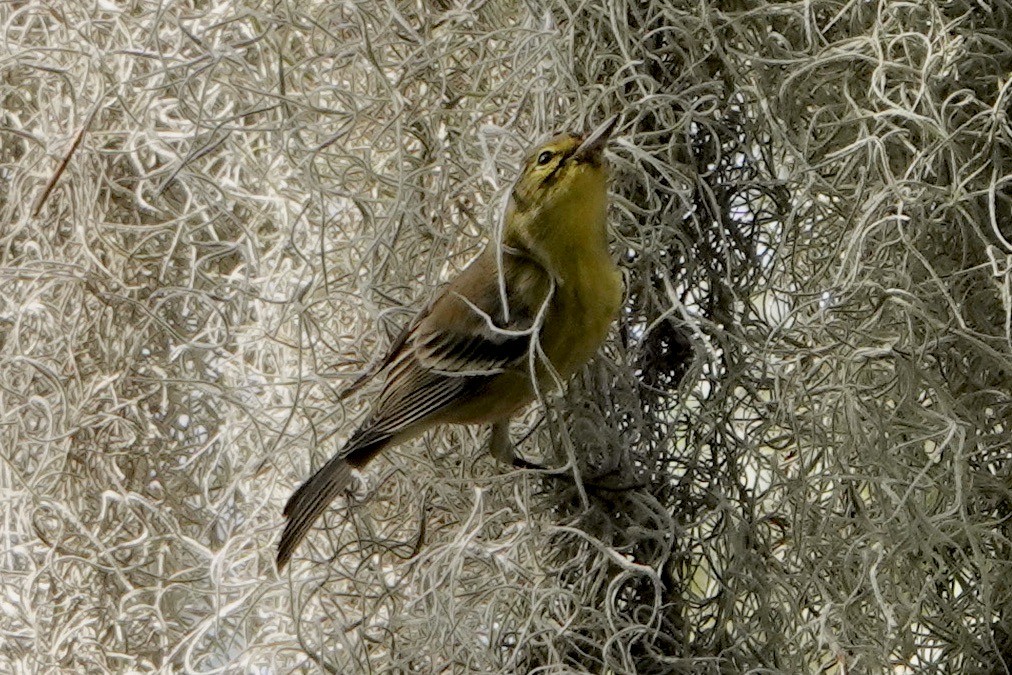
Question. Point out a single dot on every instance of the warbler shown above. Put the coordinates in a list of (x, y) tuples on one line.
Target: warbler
[(527, 313)]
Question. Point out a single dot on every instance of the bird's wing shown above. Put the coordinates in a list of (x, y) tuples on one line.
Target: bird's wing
[(380, 366), (464, 327), (464, 338)]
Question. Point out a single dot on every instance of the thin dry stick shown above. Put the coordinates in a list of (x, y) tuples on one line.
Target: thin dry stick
[(62, 166)]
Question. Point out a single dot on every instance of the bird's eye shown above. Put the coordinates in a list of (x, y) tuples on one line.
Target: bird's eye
[(544, 157)]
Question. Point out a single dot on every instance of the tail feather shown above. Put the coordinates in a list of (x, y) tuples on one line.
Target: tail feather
[(313, 497)]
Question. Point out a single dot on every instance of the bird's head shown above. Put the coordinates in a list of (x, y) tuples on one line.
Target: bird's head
[(564, 168)]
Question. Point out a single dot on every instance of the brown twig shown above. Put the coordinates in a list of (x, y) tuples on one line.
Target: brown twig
[(63, 164)]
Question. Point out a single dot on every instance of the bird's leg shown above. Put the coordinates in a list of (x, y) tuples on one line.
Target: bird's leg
[(504, 451), (499, 443)]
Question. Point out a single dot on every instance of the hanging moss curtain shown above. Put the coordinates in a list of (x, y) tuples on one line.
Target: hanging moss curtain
[(791, 456)]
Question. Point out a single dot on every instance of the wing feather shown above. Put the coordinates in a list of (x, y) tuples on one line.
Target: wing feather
[(458, 344)]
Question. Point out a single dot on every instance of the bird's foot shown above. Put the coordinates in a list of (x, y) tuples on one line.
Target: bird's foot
[(502, 449)]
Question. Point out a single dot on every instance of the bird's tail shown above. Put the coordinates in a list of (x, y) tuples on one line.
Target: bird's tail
[(311, 499)]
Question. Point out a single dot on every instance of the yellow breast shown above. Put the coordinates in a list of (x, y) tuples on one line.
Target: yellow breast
[(584, 309)]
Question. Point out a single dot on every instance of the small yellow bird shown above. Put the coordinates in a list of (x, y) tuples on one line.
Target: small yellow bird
[(520, 319)]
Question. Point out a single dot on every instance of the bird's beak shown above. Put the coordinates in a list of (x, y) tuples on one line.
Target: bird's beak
[(596, 140)]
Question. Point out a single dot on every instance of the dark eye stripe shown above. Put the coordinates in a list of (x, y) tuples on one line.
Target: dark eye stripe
[(562, 160)]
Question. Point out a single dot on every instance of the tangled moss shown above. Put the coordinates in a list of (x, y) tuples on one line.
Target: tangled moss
[(793, 454)]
